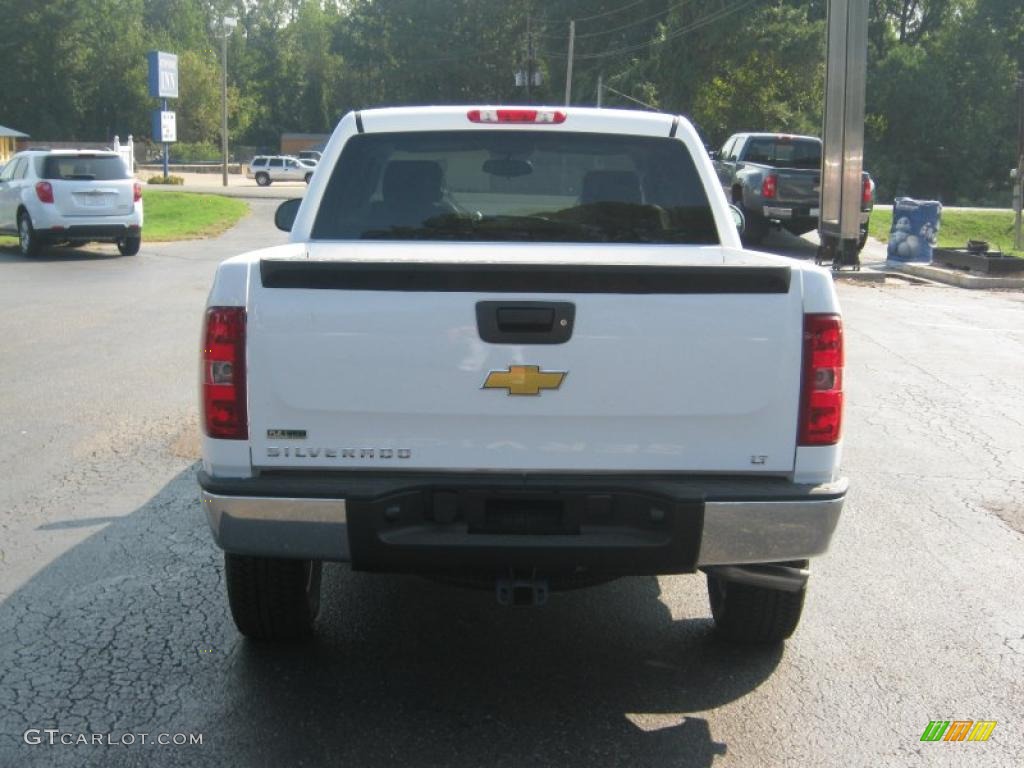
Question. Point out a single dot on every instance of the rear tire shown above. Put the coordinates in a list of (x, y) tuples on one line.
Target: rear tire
[(755, 229), (263, 179), (28, 240), (130, 245), (754, 615), (273, 599)]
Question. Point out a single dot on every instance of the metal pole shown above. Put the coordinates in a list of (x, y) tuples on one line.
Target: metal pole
[(166, 159), (224, 101), (529, 59), (568, 67), (1018, 183), (600, 89)]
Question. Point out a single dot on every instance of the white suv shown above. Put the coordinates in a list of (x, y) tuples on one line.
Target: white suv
[(70, 196), (267, 169)]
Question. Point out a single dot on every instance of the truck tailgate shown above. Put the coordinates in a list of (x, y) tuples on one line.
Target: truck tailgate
[(377, 360), (798, 186)]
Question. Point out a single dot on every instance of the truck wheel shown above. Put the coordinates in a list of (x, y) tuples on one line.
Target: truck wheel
[(28, 241), (271, 598), (129, 246), (755, 229), (862, 241), (754, 615), (263, 179)]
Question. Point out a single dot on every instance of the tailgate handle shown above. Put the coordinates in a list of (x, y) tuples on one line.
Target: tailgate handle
[(525, 322), (525, 319)]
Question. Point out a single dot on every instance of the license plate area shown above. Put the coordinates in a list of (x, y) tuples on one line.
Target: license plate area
[(95, 199), (523, 514), (479, 529)]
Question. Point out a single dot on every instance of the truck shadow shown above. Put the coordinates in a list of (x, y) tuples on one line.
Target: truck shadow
[(783, 243), (129, 631), (406, 667)]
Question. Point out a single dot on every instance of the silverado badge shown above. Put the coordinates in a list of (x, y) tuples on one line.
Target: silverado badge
[(524, 380)]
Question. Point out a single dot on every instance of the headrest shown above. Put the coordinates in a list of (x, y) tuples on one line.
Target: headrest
[(419, 180)]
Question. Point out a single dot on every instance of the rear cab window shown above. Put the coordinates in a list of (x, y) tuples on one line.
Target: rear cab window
[(515, 186), (726, 153), (784, 152), (81, 167)]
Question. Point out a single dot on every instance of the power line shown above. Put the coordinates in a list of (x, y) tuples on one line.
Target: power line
[(611, 30), (674, 34), (441, 59), (609, 13), (635, 101), (635, 23)]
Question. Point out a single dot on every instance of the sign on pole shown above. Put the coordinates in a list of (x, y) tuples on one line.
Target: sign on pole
[(165, 126), (163, 75), (163, 85)]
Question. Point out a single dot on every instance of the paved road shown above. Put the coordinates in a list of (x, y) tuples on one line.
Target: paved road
[(113, 619)]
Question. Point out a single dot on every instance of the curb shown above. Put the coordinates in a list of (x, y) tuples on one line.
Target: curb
[(958, 279), (252, 193), (860, 276)]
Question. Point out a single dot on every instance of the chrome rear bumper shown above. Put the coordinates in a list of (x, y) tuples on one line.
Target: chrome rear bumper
[(733, 532)]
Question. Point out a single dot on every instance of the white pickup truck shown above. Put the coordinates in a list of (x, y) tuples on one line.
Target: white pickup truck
[(522, 349)]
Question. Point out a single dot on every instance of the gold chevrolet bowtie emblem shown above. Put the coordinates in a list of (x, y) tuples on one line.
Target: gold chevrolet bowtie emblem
[(524, 380)]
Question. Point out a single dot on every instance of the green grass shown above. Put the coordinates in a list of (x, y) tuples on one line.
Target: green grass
[(183, 216), (188, 216), (957, 227)]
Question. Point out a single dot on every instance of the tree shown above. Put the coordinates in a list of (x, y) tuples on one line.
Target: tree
[(940, 122), (941, 73)]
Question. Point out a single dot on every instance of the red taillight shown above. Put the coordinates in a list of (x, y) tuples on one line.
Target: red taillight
[(821, 396), (137, 192), (44, 191), (867, 193), (770, 186), (515, 116), (223, 374)]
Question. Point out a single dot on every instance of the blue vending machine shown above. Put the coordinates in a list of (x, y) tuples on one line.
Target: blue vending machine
[(915, 230)]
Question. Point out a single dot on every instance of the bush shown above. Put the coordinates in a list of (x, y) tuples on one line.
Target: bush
[(197, 152), (175, 180)]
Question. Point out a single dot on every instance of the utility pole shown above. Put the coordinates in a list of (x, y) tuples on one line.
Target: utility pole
[(224, 103), (529, 59), (568, 66), (1017, 174), (600, 88), (227, 23), (528, 77)]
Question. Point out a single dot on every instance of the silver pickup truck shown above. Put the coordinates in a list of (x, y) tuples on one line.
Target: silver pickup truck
[(522, 349), (775, 179)]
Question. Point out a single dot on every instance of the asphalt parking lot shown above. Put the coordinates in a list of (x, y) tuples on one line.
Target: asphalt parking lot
[(113, 619)]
